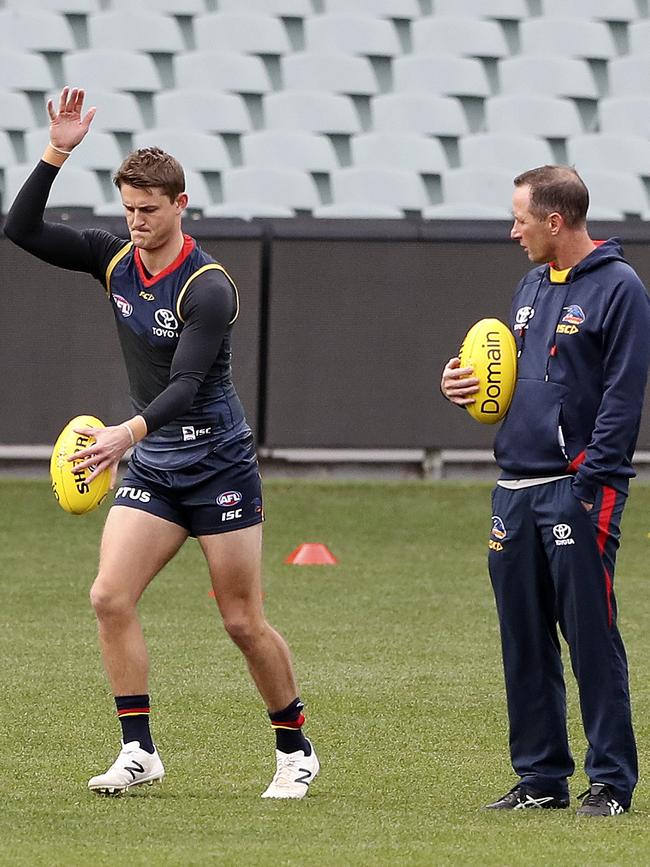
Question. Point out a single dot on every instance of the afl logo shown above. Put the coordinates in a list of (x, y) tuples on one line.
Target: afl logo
[(229, 498), (498, 528), (123, 305)]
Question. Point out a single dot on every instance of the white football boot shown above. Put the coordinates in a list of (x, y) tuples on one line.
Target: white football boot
[(294, 773), (132, 767)]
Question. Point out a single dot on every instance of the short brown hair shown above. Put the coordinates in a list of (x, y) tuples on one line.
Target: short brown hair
[(149, 168), (556, 189)]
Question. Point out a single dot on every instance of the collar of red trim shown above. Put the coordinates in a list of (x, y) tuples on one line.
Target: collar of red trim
[(188, 245)]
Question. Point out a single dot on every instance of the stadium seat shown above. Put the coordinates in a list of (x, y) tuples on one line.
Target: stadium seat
[(278, 186), (352, 34), (400, 150), (335, 73), (7, 153), (620, 191), (549, 116), (446, 34), (382, 186), (73, 188), (116, 111), (202, 109), (279, 8), (112, 70), (605, 10), (68, 7), (448, 76), (358, 211), (142, 31), (504, 151), (222, 70), (639, 36), (567, 37), (597, 212), (179, 8), (195, 150), (550, 76), (629, 76), (601, 150), (625, 114), (15, 112), (503, 10), (247, 33), (379, 8), (492, 188), (98, 151), (311, 110), (23, 71), (466, 211), (298, 149), (33, 30), (418, 112), (248, 210)]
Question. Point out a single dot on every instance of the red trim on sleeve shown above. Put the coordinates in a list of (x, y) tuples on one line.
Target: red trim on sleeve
[(188, 245)]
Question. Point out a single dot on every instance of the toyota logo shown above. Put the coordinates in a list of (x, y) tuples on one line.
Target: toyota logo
[(561, 531), (166, 319)]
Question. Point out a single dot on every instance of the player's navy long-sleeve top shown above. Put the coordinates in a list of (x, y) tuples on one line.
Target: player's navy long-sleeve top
[(174, 327), (584, 344)]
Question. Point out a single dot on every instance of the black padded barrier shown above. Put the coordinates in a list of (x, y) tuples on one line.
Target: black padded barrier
[(361, 323), (344, 328)]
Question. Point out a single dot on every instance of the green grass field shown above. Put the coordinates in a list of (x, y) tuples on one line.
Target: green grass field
[(397, 654)]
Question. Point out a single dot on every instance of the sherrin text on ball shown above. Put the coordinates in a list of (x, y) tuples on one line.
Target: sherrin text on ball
[(489, 348), (71, 490)]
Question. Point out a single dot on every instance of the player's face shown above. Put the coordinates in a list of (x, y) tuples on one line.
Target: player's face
[(151, 217), (533, 234)]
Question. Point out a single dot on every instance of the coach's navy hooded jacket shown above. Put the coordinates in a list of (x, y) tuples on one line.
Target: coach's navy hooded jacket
[(583, 338)]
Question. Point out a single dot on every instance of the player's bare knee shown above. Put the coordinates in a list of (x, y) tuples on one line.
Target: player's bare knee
[(107, 604), (244, 631)]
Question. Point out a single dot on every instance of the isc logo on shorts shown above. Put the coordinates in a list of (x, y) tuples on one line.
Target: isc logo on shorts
[(229, 498)]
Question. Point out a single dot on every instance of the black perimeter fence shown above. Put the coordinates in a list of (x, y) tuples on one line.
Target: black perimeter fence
[(344, 328)]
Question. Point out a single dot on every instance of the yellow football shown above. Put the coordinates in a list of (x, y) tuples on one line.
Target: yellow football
[(489, 347), (71, 490)]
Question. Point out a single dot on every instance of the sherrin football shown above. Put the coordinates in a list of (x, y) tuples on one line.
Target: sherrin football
[(489, 347), (71, 490)]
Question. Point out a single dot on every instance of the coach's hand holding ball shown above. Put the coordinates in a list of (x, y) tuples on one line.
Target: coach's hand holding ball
[(482, 377)]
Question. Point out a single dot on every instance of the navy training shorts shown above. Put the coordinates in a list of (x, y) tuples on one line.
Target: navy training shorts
[(220, 493)]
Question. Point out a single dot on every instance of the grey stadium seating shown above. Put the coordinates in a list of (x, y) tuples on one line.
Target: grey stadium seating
[(371, 108)]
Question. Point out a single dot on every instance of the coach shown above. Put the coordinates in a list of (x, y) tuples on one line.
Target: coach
[(581, 320)]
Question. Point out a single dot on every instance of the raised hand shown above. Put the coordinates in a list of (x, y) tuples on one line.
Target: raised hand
[(67, 126)]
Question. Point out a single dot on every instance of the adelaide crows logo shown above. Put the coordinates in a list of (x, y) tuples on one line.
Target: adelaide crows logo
[(574, 315), (498, 528)]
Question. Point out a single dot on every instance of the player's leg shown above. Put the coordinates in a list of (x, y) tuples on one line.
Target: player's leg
[(135, 546), (582, 549), (532, 663), (234, 560)]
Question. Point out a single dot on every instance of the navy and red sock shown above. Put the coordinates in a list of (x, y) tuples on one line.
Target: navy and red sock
[(287, 724), (133, 713)]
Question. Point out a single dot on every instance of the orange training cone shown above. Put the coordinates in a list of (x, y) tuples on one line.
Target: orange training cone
[(312, 554)]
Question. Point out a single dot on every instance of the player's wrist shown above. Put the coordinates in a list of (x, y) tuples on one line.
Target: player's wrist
[(54, 155)]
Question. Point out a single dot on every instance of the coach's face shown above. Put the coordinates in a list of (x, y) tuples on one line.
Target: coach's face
[(534, 235), (151, 217)]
